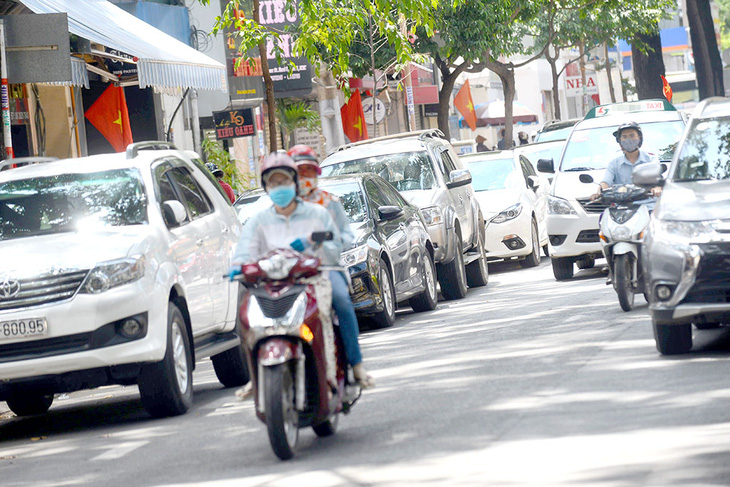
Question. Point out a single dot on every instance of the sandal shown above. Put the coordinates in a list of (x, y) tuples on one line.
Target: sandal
[(363, 379)]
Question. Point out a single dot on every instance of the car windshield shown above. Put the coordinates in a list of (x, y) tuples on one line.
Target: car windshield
[(536, 152), (247, 206), (706, 151), (491, 174), (595, 148), (71, 202), (351, 197), (557, 134), (406, 171)]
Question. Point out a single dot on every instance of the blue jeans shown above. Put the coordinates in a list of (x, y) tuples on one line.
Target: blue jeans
[(346, 316)]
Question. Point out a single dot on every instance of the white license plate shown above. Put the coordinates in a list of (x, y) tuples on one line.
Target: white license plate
[(23, 328)]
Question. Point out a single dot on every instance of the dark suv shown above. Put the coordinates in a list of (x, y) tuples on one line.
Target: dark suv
[(687, 246), (426, 170)]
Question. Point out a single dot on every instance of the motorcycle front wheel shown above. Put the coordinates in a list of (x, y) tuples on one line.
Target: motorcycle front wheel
[(282, 418), (622, 277)]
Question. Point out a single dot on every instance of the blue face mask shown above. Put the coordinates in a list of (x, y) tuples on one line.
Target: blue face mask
[(282, 195)]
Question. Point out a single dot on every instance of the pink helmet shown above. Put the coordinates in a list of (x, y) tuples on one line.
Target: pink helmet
[(304, 155), (277, 161)]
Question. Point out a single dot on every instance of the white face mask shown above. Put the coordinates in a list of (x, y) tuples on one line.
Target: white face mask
[(307, 185)]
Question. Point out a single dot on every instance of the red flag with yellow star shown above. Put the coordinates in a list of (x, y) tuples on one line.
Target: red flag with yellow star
[(463, 103), (353, 118), (667, 89), (110, 117)]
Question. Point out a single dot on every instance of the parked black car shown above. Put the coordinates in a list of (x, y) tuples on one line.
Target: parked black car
[(391, 260)]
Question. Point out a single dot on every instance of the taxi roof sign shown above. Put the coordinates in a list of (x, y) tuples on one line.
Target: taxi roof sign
[(630, 106)]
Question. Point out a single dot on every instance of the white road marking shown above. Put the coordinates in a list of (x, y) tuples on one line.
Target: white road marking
[(120, 450)]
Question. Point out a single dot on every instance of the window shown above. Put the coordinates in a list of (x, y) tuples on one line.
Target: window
[(449, 164), (406, 170), (193, 197), (390, 195), (375, 197)]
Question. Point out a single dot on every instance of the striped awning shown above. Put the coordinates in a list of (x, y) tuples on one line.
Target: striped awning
[(79, 74), (162, 61)]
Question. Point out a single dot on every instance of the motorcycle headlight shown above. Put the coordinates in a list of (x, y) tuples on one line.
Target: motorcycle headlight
[(621, 232), (559, 206), (509, 214), (682, 232), (256, 316), (108, 275), (432, 215), (355, 256)]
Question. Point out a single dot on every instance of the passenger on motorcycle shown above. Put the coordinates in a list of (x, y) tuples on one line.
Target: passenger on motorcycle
[(620, 170), (290, 223), (308, 170)]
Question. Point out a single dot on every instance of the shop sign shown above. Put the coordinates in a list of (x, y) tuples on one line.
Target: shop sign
[(234, 123)]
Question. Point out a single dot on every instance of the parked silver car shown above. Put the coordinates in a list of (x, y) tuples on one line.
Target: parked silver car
[(686, 249), (426, 170)]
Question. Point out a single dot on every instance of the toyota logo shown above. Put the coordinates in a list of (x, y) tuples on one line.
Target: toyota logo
[(9, 288)]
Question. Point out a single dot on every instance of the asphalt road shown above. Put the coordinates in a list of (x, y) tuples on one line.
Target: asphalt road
[(527, 382)]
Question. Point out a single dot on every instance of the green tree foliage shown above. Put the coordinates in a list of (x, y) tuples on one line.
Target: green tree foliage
[(294, 114), (216, 154)]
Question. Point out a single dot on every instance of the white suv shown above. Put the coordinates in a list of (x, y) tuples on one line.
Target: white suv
[(116, 277), (424, 167), (572, 220)]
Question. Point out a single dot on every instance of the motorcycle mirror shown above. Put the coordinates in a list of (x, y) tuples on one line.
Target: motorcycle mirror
[(319, 237), (585, 178)]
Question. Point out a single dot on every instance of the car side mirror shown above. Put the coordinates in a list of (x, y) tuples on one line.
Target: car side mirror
[(533, 182), (585, 178), (174, 213), (545, 165), (649, 175), (458, 177), (386, 212)]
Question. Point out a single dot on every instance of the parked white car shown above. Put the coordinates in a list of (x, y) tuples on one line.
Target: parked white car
[(513, 199), (116, 277)]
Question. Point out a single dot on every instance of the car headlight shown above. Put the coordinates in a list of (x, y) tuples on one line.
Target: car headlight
[(432, 215), (559, 206), (509, 214), (681, 232), (108, 275), (355, 256)]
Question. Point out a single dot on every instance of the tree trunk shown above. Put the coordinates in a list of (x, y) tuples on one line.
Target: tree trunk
[(268, 82), (448, 79), (508, 87), (648, 67), (608, 73), (372, 71), (708, 64), (553, 61)]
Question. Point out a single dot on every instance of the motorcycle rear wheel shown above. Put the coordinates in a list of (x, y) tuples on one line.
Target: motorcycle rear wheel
[(282, 417), (622, 278)]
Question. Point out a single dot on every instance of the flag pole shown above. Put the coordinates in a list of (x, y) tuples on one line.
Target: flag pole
[(5, 100)]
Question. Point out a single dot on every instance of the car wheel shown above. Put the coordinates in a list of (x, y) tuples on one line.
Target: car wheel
[(477, 272), (672, 339), (231, 367), (166, 387), (386, 317), (428, 299), (562, 268), (586, 262), (29, 403), (533, 259), (453, 275)]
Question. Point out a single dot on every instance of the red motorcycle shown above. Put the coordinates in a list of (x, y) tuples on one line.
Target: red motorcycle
[(299, 370)]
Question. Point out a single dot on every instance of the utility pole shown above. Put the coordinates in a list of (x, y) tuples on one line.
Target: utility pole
[(407, 82), (7, 137)]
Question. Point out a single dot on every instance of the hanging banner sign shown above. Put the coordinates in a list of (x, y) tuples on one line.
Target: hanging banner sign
[(234, 123)]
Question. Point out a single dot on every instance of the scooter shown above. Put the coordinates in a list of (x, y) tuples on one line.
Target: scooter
[(300, 375), (621, 230)]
